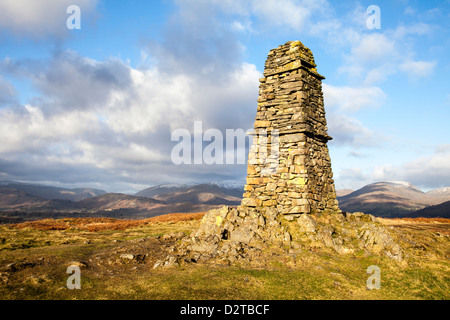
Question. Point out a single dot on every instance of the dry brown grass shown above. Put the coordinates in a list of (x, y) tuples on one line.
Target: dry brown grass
[(101, 224), (441, 225), (423, 220)]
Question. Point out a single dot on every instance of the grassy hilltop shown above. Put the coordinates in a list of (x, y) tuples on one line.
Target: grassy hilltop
[(116, 259)]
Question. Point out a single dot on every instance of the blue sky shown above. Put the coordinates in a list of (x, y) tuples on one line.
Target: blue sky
[(96, 106)]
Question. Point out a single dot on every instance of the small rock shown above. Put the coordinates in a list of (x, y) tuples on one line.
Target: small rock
[(3, 278), (128, 256), (307, 223), (16, 266), (158, 264), (289, 217), (287, 237), (78, 264), (171, 262), (179, 235), (166, 237)]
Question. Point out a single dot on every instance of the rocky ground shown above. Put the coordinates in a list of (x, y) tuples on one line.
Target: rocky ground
[(229, 234)]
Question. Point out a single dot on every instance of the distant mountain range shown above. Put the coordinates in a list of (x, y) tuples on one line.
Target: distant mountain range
[(394, 199), (53, 193), (21, 201), (213, 194)]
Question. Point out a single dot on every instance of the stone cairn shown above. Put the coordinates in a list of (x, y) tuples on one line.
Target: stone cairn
[(290, 104), (290, 199)]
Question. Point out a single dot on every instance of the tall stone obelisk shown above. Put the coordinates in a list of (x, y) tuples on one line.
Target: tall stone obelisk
[(291, 171)]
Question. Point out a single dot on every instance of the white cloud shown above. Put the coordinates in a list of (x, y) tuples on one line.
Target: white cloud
[(156, 100), (347, 130), (433, 13), (293, 14), (431, 171), (375, 57), (237, 26), (290, 13), (352, 178), (28, 129), (418, 69), (409, 11), (151, 101), (352, 99), (373, 48), (38, 19), (370, 57), (416, 29), (341, 103)]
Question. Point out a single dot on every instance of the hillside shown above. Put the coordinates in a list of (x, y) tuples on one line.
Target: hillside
[(53, 193), (439, 195), (343, 192), (128, 206), (390, 199), (212, 194), (13, 198), (116, 201), (160, 189), (440, 210)]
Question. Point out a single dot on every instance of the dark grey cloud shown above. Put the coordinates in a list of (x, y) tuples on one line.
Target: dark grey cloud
[(70, 81), (22, 169)]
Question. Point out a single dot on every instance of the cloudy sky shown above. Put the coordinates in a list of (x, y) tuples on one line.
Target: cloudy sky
[(96, 106)]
